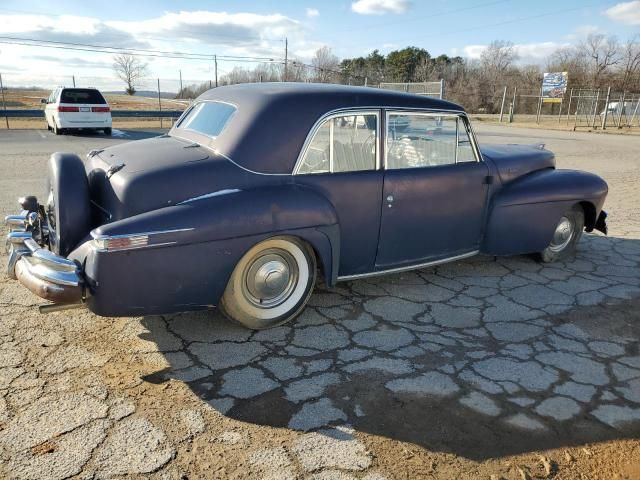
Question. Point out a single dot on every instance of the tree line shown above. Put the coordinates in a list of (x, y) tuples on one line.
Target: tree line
[(599, 61)]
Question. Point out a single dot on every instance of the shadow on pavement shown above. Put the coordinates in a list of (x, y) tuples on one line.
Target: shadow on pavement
[(482, 358)]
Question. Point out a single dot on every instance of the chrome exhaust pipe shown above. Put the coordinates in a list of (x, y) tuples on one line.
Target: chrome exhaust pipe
[(58, 307)]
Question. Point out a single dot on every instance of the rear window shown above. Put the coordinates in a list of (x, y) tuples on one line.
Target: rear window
[(208, 118), (81, 95)]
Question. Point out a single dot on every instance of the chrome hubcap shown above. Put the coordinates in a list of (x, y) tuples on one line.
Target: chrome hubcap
[(562, 236), (270, 278)]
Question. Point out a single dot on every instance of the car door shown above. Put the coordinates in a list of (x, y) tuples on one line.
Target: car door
[(435, 189), (341, 160)]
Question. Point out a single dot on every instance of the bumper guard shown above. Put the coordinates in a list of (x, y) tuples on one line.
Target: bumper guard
[(44, 273)]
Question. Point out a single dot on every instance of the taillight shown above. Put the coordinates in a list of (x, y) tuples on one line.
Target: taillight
[(101, 109), (68, 109)]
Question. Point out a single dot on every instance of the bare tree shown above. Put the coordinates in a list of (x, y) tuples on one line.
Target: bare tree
[(603, 53), (497, 58), (325, 64), (630, 64), (130, 70)]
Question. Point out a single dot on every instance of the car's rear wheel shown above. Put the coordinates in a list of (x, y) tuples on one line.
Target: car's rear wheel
[(565, 237), (271, 284), (56, 130)]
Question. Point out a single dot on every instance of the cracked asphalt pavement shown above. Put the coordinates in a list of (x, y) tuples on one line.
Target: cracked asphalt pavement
[(490, 366)]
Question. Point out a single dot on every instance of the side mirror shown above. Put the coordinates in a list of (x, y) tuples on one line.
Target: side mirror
[(43, 100)]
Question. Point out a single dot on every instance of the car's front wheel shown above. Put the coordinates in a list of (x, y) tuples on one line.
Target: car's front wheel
[(271, 284), (565, 237)]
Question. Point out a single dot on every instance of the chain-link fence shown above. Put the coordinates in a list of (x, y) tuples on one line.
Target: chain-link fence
[(579, 107), (429, 89)]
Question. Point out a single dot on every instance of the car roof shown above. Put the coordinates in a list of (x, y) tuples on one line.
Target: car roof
[(332, 95), (272, 120)]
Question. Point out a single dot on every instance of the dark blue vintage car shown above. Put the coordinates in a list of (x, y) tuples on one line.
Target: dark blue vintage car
[(257, 188)]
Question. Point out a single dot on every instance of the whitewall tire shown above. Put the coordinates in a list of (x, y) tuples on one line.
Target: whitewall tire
[(271, 284), (565, 236)]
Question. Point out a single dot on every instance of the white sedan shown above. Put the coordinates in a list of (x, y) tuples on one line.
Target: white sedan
[(77, 108)]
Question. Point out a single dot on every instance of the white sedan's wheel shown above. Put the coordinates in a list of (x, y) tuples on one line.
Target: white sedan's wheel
[(271, 284)]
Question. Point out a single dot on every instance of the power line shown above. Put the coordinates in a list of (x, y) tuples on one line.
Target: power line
[(131, 51)]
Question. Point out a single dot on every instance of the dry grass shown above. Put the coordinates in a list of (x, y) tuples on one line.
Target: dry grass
[(30, 99)]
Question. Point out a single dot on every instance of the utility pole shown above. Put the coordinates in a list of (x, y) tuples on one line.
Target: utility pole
[(215, 68), (159, 103), (4, 103), (286, 57)]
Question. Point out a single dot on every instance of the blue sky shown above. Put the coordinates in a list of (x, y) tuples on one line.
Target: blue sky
[(257, 28)]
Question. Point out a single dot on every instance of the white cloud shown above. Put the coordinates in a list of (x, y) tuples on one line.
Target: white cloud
[(312, 12), (582, 31), (201, 32), (527, 52), (380, 7), (625, 12)]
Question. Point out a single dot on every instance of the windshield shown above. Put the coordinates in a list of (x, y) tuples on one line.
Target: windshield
[(81, 95), (208, 118)]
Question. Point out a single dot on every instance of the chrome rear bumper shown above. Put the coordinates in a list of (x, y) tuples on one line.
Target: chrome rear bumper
[(44, 273)]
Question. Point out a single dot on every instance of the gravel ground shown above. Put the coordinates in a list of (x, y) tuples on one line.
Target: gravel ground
[(480, 369)]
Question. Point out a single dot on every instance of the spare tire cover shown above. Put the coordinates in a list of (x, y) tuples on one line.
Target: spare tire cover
[(67, 205)]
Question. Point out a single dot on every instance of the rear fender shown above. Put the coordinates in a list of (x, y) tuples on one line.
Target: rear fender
[(523, 215), (201, 241)]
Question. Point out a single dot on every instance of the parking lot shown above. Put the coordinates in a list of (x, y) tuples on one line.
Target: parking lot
[(490, 366)]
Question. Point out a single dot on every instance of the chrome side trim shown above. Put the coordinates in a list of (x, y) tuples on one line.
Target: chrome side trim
[(226, 157), (209, 195), (410, 267), (137, 239)]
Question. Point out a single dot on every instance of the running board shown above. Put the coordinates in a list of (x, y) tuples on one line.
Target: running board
[(408, 268)]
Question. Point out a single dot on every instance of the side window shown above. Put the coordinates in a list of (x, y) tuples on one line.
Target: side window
[(415, 141), (465, 149), (345, 143)]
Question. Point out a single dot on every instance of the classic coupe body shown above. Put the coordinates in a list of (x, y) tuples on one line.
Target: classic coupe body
[(258, 187)]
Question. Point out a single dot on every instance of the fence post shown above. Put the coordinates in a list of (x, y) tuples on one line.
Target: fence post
[(539, 108), (630, 123), (560, 110), (578, 102), (510, 112), (366, 81), (159, 103), (595, 109), (4, 103), (569, 107), (624, 94), (442, 89), (606, 109), (504, 97), (513, 105)]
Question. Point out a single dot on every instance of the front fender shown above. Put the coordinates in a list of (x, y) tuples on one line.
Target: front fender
[(523, 215)]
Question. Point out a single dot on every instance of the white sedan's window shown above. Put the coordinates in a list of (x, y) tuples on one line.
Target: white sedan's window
[(343, 144), (415, 141)]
